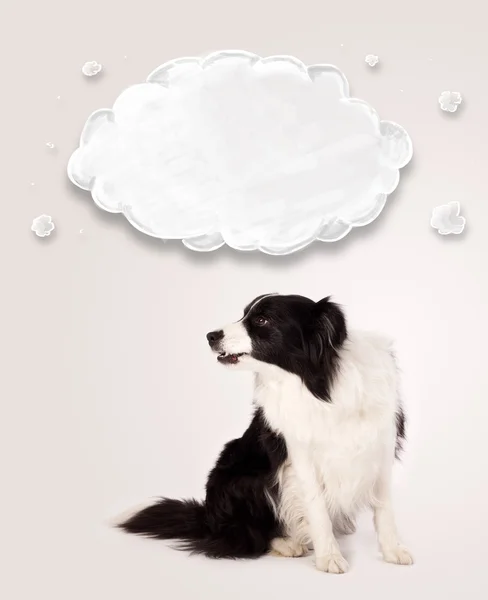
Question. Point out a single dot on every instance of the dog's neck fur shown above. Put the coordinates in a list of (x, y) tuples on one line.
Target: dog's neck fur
[(317, 380)]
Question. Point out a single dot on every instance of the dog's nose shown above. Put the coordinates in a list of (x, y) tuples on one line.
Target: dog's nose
[(215, 336)]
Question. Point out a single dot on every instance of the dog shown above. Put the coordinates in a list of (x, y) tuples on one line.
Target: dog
[(327, 427)]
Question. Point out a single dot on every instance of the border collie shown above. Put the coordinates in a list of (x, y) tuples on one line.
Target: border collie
[(327, 427)]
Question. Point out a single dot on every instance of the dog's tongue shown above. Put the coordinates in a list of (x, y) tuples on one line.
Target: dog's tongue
[(229, 358)]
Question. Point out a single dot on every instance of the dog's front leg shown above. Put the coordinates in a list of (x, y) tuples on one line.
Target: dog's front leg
[(393, 551), (328, 556)]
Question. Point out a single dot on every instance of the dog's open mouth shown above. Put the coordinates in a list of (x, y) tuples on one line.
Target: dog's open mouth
[(229, 359)]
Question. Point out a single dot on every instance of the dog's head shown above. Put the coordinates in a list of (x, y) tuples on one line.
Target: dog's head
[(293, 333)]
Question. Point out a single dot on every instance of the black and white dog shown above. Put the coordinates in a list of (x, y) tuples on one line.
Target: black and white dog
[(321, 445)]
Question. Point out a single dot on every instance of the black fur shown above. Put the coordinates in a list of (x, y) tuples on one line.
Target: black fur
[(400, 422), (401, 429), (236, 519)]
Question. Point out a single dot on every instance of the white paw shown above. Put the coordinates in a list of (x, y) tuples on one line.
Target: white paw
[(287, 547), (398, 555), (333, 563)]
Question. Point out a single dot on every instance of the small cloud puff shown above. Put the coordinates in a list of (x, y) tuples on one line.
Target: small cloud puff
[(446, 219), (372, 60), (91, 68), (257, 153), (449, 101), (42, 226)]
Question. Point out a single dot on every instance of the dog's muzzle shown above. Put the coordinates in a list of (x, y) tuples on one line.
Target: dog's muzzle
[(215, 341)]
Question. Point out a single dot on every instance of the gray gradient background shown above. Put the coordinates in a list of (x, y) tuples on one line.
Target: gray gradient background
[(109, 394)]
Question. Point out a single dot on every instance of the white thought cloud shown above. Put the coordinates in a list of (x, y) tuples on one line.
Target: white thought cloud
[(372, 60), (42, 226), (91, 68), (446, 219), (449, 101), (234, 149)]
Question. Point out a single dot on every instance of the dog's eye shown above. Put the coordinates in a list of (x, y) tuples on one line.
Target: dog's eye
[(260, 321)]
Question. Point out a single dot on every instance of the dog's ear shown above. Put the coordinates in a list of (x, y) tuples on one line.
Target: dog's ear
[(332, 321)]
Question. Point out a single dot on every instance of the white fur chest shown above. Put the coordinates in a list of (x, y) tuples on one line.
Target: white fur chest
[(347, 439)]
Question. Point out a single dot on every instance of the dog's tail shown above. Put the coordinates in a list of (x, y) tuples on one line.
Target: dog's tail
[(187, 522), (170, 520)]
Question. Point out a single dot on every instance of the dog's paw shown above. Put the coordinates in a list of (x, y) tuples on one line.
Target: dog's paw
[(287, 547), (398, 555), (333, 563)]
